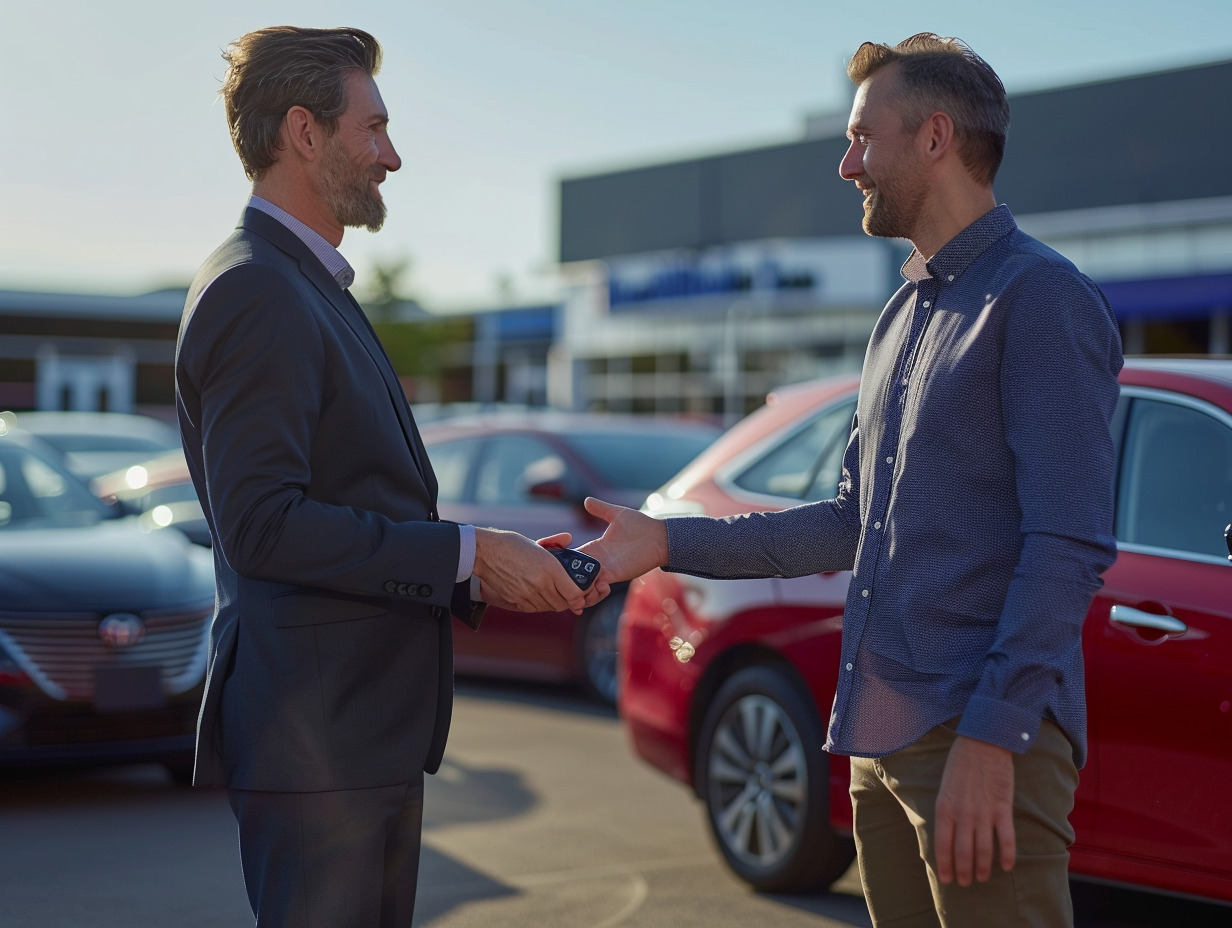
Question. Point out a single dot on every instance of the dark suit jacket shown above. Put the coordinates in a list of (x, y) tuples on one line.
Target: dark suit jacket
[(331, 655)]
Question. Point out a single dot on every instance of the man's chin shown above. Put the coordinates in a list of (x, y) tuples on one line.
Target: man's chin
[(370, 219), (878, 227)]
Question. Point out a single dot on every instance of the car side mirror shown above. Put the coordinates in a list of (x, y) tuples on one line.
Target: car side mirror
[(549, 480), (553, 490), (557, 490)]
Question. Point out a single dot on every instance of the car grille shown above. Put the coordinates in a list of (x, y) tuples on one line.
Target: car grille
[(62, 652)]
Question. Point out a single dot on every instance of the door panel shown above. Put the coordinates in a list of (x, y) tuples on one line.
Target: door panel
[(1159, 651)]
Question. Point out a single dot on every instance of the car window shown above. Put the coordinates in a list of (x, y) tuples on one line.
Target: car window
[(71, 443), (510, 465), (808, 464), (1175, 490), (32, 491), (451, 462), (639, 460)]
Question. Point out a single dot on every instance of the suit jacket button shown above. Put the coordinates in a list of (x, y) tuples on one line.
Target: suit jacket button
[(402, 590), (425, 591), (391, 586)]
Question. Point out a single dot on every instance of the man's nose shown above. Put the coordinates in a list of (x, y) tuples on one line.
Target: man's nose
[(852, 165), (389, 157)]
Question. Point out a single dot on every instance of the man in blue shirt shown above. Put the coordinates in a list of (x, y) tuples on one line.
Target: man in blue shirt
[(975, 512)]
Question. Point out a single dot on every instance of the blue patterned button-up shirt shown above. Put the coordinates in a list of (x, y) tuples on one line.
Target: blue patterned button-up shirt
[(976, 503)]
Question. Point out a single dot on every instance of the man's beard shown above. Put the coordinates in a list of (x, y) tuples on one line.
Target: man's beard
[(348, 192), (894, 208)]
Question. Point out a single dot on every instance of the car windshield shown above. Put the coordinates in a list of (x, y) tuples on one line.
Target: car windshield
[(36, 493), (72, 442), (639, 460)]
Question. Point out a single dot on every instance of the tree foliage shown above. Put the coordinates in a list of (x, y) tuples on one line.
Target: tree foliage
[(424, 347)]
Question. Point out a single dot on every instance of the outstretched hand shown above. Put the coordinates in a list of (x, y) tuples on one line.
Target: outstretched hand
[(517, 574), (632, 544)]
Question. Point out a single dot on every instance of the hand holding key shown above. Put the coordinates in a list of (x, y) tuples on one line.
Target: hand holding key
[(582, 568)]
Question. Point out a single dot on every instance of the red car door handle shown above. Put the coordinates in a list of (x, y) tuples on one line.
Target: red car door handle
[(1136, 618)]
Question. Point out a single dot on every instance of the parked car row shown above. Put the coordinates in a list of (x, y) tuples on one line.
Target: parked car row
[(742, 723), (96, 443), (516, 470), (103, 625)]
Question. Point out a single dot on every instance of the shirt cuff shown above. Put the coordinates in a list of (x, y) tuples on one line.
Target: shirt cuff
[(1000, 723), (466, 552)]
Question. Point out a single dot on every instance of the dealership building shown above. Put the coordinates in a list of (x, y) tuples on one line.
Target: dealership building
[(697, 286)]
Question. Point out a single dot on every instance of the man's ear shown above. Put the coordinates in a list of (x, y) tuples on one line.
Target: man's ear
[(302, 134), (936, 136)]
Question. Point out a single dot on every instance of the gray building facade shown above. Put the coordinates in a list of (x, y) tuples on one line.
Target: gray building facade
[(698, 285)]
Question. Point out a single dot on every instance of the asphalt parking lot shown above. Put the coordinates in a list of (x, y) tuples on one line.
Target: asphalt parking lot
[(540, 817)]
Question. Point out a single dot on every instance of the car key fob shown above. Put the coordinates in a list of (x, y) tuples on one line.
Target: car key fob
[(581, 567)]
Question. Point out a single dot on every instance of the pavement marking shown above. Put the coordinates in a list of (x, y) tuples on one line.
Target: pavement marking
[(641, 889), (548, 877)]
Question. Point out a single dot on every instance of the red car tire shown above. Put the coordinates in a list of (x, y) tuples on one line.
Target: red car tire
[(759, 760)]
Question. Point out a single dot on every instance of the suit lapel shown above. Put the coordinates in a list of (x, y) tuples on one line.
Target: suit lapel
[(346, 306), (392, 384)]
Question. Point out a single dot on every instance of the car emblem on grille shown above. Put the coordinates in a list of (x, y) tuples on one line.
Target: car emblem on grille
[(121, 630)]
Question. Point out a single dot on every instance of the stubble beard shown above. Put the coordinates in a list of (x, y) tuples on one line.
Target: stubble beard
[(892, 213), (348, 192), (894, 207)]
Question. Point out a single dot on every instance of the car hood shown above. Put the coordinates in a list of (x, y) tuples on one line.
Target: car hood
[(112, 565)]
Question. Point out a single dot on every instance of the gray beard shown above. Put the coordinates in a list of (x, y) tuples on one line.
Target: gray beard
[(348, 195)]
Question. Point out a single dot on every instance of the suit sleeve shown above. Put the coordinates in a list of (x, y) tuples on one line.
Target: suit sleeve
[(251, 369)]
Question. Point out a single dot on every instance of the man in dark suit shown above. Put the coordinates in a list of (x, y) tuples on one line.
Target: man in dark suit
[(330, 681)]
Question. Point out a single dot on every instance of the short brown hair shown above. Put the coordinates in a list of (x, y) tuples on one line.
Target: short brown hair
[(944, 73), (271, 70)]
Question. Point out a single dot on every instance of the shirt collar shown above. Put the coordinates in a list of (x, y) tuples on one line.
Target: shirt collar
[(338, 266), (958, 253)]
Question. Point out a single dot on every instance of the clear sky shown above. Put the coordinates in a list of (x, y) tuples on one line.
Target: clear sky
[(117, 174)]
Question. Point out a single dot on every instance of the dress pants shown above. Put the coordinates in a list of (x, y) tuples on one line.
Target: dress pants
[(894, 799), (339, 859)]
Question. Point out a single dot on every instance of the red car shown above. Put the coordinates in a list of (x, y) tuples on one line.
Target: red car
[(742, 722), (529, 472)]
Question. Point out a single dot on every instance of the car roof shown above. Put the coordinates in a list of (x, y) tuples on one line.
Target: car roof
[(94, 423), (1219, 369), (559, 422)]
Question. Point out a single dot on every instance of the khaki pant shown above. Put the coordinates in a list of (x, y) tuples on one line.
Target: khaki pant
[(894, 799)]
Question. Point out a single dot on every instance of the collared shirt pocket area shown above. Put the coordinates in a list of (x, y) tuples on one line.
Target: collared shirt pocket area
[(291, 610)]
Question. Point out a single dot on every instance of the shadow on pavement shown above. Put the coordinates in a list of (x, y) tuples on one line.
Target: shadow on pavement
[(842, 907), (98, 786), (1095, 906), (462, 795), (551, 696), (445, 884), (1098, 906)]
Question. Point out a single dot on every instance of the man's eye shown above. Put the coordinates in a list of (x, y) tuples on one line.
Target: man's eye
[(863, 140)]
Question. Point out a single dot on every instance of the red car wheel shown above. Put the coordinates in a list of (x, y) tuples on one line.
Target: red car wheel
[(764, 776)]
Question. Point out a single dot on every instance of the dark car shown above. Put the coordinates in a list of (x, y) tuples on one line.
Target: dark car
[(103, 625), (94, 443), (743, 721), (530, 472)]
